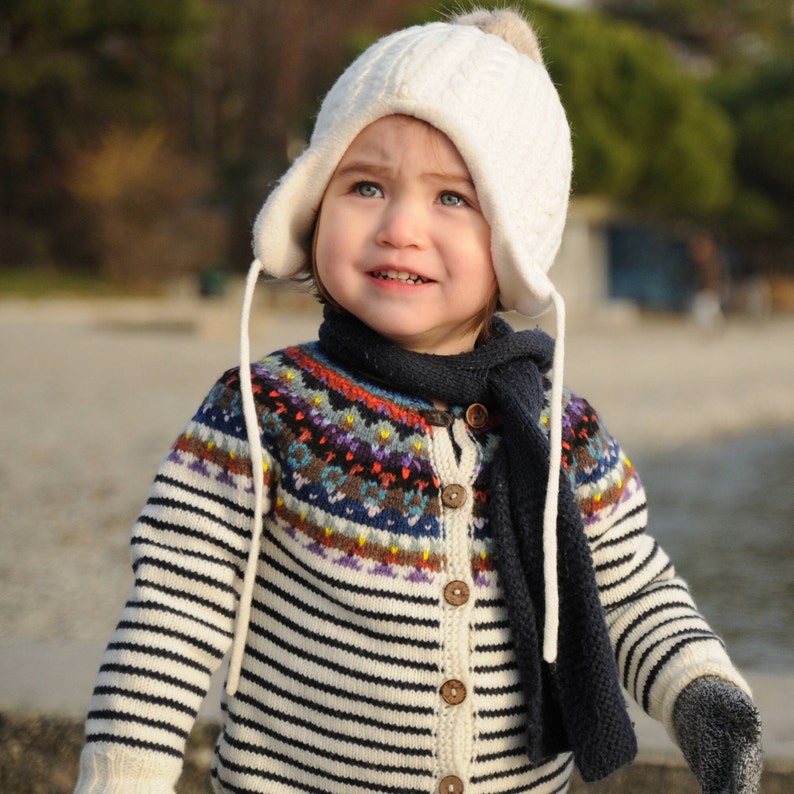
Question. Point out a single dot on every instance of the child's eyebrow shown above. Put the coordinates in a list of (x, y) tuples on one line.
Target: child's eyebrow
[(364, 167), (445, 176)]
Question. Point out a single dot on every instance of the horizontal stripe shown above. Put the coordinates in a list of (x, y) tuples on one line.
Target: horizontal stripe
[(107, 693), (127, 741)]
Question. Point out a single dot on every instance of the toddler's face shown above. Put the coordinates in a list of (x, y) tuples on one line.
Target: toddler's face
[(401, 241)]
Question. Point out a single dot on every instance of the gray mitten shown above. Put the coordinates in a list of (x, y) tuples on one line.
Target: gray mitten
[(719, 733)]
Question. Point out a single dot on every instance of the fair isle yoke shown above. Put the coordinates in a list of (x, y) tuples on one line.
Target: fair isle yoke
[(360, 481), (378, 654), (374, 481)]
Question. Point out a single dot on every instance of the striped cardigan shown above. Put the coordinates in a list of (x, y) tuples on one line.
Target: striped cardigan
[(379, 654)]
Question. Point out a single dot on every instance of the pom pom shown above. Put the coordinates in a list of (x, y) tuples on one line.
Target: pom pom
[(509, 25)]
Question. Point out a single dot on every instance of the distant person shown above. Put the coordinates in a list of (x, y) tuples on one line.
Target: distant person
[(707, 303), (427, 558)]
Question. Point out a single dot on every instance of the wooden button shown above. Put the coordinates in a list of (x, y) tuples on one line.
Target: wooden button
[(453, 692), (451, 785), (456, 593), (453, 496), (477, 415)]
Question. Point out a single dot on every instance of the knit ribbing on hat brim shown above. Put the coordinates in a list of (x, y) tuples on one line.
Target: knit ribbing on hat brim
[(284, 227)]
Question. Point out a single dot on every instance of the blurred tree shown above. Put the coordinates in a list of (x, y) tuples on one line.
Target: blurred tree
[(761, 105), (143, 196), (644, 133), (747, 49), (725, 32), (236, 86), (68, 68), (270, 62)]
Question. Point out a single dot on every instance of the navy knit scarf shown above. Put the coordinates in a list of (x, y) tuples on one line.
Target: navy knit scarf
[(575, 704)]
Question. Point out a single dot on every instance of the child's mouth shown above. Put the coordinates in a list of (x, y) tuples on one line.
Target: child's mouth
[(399, 275)]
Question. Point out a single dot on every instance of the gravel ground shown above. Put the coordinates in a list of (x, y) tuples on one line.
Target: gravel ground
[(93, 394)]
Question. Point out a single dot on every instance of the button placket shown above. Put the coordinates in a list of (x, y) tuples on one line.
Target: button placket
[(455, 465), (436, 417)]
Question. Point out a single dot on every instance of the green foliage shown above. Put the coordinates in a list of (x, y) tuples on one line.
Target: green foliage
[(70, 68), (644, 132), (62, 42), (726, 32), (761, 106)]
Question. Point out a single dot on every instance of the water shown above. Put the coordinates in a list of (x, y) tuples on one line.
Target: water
[(724, 511)]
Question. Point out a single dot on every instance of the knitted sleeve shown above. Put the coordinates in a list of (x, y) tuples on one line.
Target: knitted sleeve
[(188, 549), (660, 639)]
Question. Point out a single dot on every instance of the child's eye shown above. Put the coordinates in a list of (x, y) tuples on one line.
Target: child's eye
[(367, 190), (449, 199)]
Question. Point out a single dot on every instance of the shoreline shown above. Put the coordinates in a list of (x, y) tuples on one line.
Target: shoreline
[(658, 379)]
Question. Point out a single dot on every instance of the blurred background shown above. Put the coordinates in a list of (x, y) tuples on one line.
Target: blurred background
[(139, 140)]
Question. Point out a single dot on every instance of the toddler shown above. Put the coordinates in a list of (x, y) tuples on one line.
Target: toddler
[(427, 559)]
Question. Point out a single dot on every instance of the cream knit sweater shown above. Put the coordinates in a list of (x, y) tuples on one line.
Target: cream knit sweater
[(379, 655)]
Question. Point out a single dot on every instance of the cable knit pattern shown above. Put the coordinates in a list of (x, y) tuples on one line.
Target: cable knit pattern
[(499, 108), (352, 640)]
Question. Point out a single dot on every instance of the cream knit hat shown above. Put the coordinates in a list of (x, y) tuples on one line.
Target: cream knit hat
[(493, 99)]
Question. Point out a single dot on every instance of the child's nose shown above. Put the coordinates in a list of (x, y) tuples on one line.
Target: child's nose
[(402, 225)]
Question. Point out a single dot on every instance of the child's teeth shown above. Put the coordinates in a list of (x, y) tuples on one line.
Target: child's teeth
[(400, 275)]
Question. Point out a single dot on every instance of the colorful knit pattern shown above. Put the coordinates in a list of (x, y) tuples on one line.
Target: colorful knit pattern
[(350, 464), (359, 457)]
